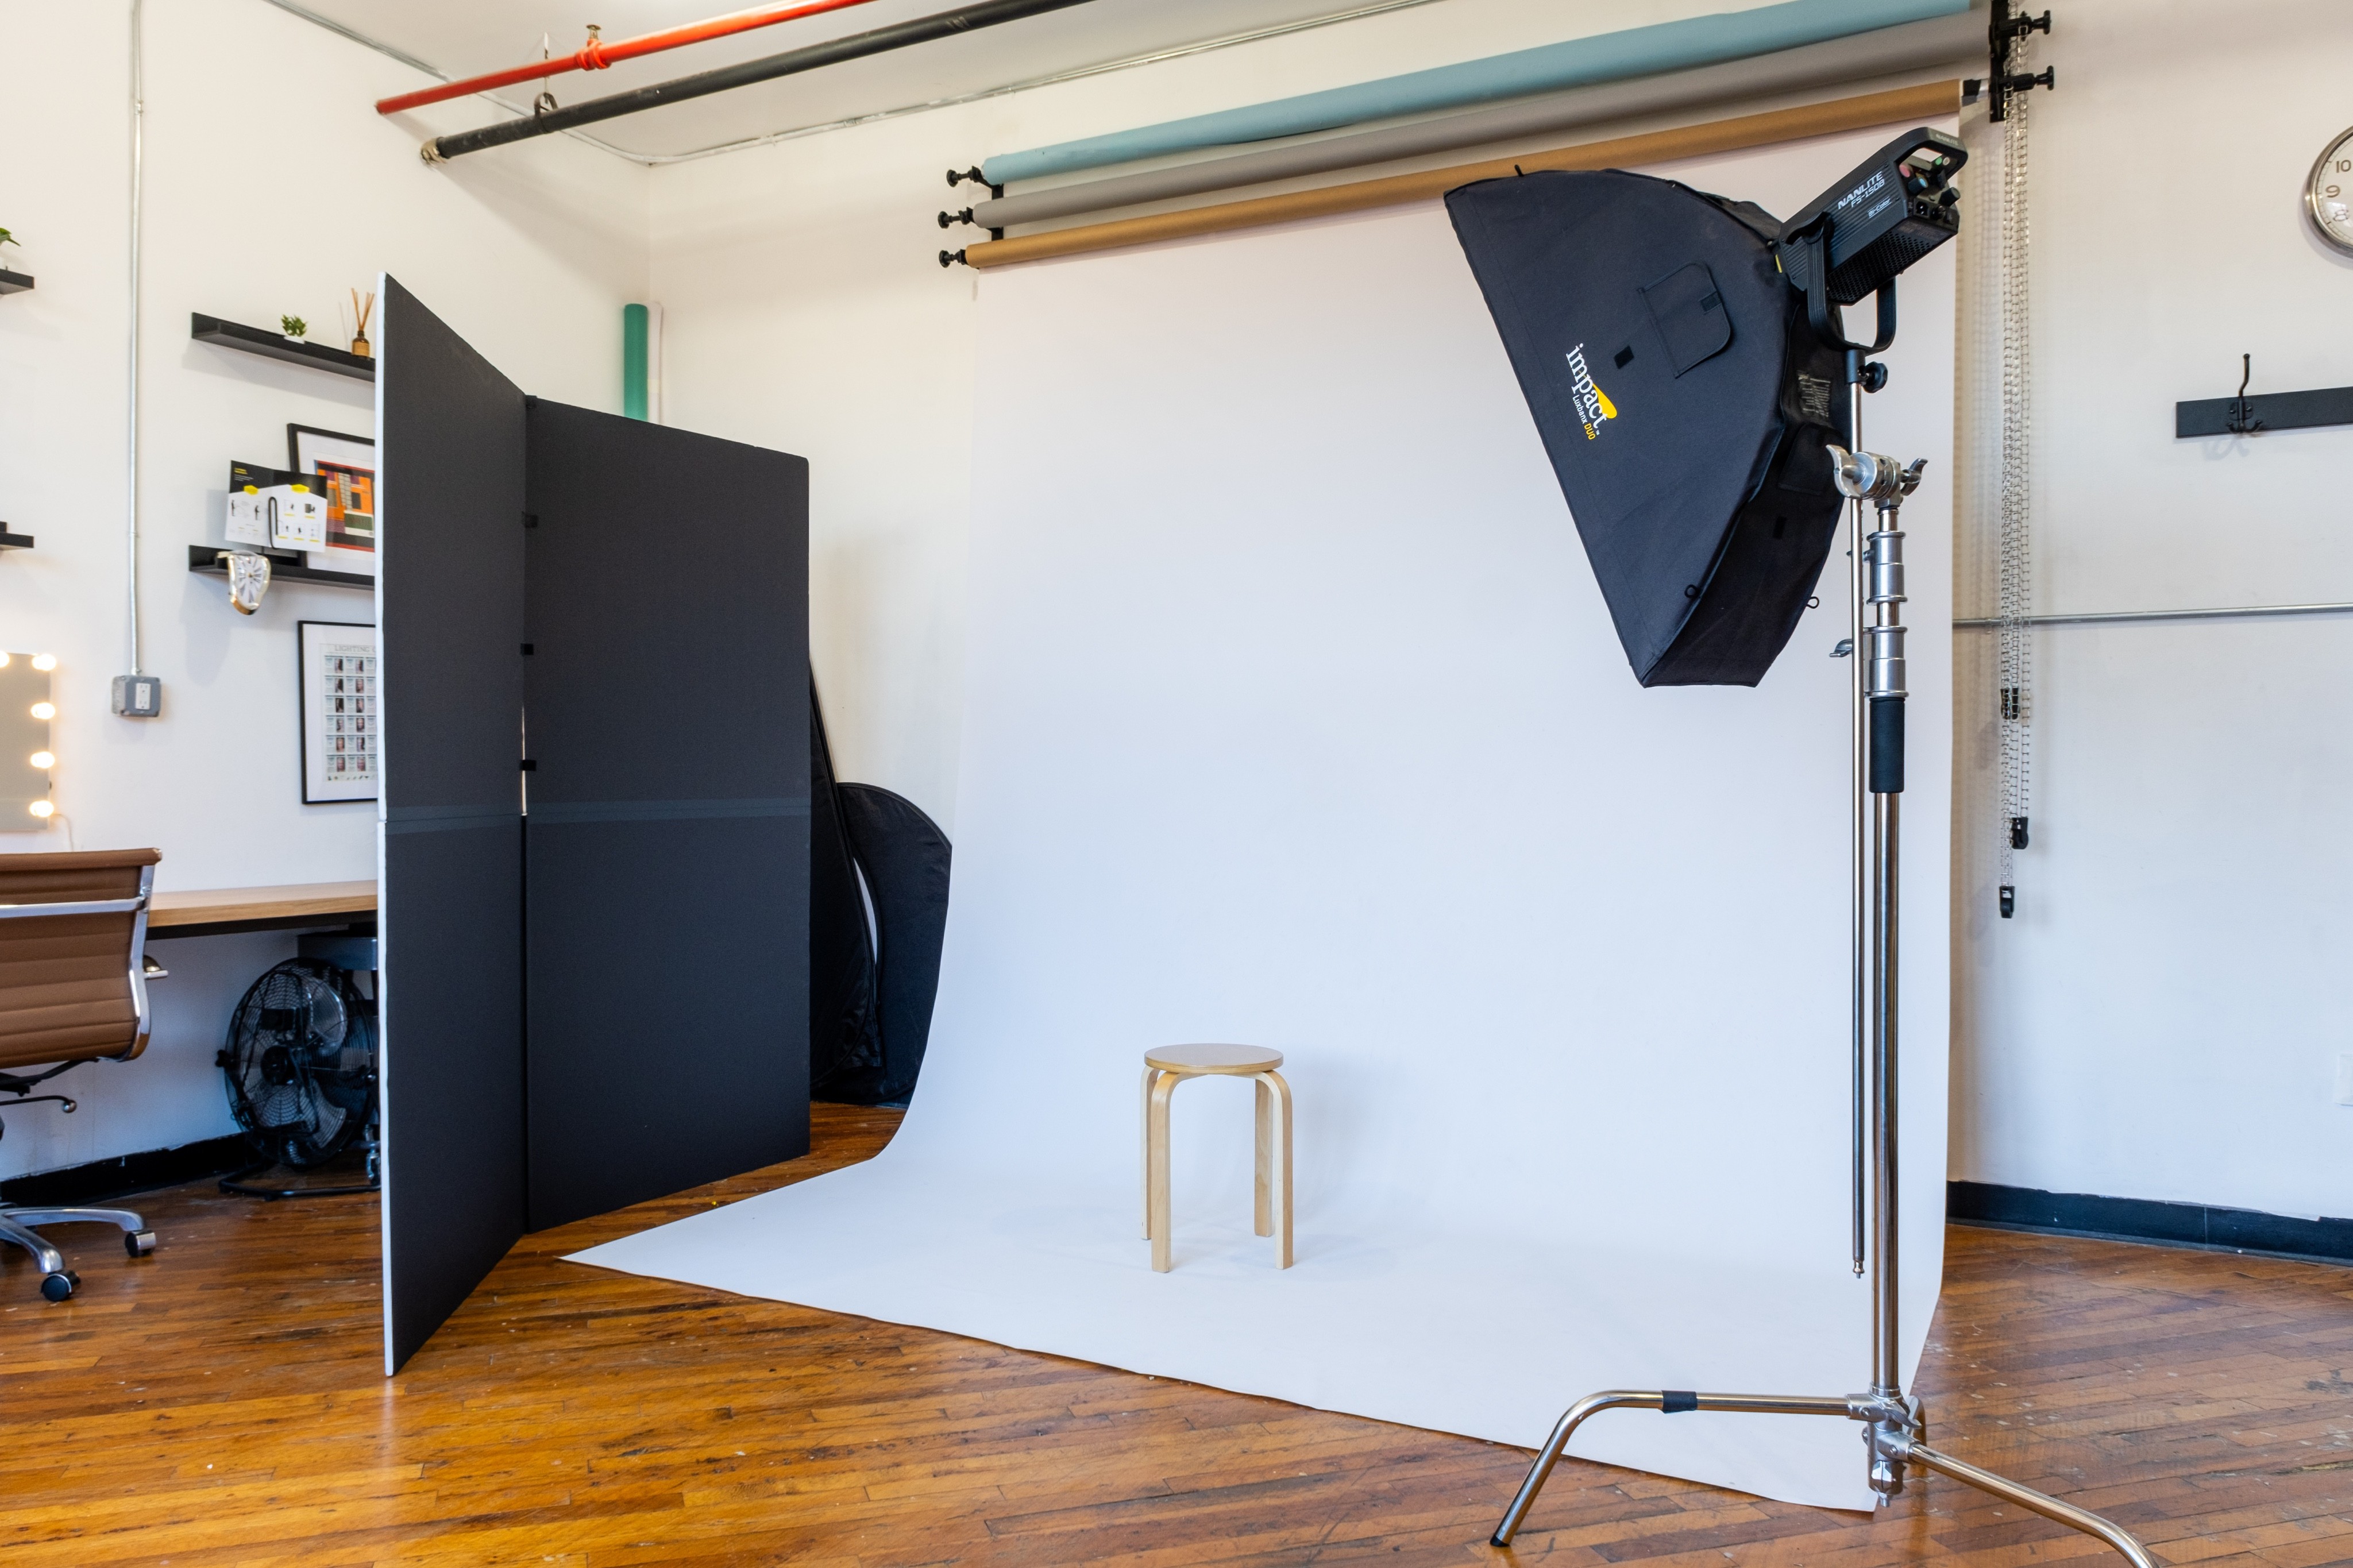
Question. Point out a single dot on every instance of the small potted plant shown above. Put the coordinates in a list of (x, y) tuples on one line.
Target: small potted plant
[(294, 327), (6, 239)]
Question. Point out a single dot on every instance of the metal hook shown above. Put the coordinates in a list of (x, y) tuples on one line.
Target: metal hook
[(2241, 422)]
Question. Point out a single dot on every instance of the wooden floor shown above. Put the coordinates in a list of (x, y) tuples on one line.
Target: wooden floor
[(221, 1404)]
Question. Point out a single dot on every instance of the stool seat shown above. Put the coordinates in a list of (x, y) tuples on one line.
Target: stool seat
[(1236, 1061)]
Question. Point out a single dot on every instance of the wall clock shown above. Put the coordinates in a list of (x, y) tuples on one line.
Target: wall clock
[(2328, 194)]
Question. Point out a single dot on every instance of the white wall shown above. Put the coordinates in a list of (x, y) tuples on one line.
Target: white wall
[(803, 308), (2162, 1018), (271, 187)]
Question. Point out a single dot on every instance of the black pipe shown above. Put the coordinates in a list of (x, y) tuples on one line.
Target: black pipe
[(857, 46)]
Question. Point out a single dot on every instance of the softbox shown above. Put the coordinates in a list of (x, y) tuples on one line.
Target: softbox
[(1682, 399)]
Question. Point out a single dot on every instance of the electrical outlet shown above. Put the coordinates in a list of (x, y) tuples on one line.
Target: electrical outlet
[(2344, 1078), (138, 696)]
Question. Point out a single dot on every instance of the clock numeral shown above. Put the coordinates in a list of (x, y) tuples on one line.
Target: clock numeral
[(2332, 189)]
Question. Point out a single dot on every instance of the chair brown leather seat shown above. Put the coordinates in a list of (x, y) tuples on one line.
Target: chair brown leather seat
[(73, 935)]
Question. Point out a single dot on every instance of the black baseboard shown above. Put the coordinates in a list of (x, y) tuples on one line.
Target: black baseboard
[(2200, 1226), (103, 1179)]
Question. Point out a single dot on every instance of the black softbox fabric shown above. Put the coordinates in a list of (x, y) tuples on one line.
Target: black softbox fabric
[(1683, 401), (904, 859), (845, 1025)]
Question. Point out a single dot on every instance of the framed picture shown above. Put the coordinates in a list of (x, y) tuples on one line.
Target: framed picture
[(342, 735), (345, 468)]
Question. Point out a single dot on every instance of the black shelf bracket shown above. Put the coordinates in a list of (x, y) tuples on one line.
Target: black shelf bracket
[(285, 566), (14, 282), (279, 346), (14, 540)]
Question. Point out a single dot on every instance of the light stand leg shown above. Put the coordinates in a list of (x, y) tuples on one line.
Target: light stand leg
[(2050, 1508), (1896, 1430)]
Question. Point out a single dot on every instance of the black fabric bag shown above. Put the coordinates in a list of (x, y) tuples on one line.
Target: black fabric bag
[(905, 859), (1682, 399), (845, 1027), (869, 1011)]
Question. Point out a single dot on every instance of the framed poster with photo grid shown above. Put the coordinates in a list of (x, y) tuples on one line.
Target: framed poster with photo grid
[(342, 736)]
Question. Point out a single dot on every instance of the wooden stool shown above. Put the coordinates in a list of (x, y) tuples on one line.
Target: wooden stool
[(1166, 1068)]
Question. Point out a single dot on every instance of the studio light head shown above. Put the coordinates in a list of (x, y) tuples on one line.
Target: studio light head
[(1683, 358), (1895, 208), (1853, 239)]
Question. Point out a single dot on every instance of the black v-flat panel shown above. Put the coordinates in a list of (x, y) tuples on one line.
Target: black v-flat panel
[(667, 701), (449, 605)]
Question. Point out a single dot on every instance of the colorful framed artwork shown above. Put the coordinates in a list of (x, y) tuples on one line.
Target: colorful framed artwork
[(342, 722), (345, 468)]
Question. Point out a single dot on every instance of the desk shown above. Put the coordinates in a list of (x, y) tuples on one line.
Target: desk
[(300, 906)]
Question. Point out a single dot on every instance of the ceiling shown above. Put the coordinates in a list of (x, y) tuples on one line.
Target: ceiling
[(465, 37)]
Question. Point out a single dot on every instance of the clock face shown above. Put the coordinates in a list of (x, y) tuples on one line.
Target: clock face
[(2328, 196)]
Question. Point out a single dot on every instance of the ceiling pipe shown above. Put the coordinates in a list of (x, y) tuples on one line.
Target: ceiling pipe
[(857, 46), (596, 55)]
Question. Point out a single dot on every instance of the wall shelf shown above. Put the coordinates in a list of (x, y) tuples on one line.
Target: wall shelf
[(14, 282), (14, 540), (285, 566), (277, 345)]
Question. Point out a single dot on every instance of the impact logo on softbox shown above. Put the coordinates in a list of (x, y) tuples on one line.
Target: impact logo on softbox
[(1591, 401), (1708, 520)]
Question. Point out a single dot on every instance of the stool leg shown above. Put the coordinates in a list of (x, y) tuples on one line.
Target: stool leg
[(1144, 1147), (1262, 1194), (1280, 1163), (1156, 1169)]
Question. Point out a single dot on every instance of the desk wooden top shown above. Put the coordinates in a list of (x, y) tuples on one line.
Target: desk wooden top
[(212, 906)]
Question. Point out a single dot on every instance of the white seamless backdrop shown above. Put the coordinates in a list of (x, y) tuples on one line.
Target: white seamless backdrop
[(1293, 717)]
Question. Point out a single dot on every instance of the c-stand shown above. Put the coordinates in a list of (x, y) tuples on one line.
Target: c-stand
[(1894, 1425)]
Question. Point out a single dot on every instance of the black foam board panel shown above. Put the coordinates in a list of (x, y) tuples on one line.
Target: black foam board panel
[(451, 598)]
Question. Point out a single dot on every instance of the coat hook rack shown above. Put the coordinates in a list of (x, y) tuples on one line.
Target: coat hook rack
[(2242, 415)]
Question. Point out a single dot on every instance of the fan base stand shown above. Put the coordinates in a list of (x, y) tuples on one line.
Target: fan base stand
[(241, 1185)]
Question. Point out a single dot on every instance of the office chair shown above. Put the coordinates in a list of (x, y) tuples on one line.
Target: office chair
[(73, 989)]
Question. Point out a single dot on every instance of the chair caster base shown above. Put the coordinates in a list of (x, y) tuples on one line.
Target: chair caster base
[(57, 1286), (139, 1243)]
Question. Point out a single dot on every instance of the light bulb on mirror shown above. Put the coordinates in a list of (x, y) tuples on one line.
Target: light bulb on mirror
[(42, 808), (45, 710), (4, 660), (45, 661), (45, 760)]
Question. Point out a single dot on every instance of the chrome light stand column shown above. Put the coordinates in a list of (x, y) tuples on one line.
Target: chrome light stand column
[(1894, 1428)]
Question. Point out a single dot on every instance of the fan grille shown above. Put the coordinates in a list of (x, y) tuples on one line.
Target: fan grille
[(299, 1063)]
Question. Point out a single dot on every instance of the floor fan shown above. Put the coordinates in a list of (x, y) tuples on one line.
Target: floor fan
[(301, 1070)]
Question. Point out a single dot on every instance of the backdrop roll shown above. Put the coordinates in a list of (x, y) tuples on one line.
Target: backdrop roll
[(1295, 718)]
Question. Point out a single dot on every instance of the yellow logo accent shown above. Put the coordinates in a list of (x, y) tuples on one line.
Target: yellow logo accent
[(1592, 403)]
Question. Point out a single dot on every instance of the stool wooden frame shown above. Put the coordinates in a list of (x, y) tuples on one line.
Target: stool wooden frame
[(1166, 1068)]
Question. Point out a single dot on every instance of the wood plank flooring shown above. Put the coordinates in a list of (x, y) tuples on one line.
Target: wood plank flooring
[(221, 1404)]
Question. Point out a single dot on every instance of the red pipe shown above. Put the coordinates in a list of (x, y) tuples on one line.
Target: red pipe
[(596, 55)]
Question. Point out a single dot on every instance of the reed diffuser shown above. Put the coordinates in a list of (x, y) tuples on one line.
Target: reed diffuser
[(360, 312)]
